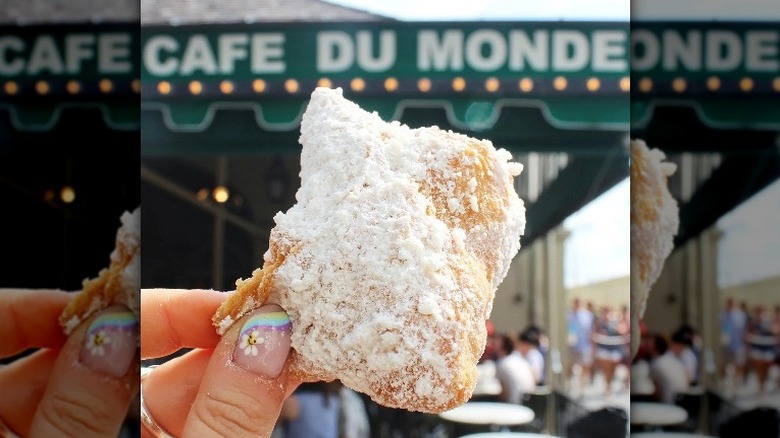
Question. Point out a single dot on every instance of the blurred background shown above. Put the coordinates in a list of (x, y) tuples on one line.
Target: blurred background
[(705, 90), (69, 141), (224, 86)]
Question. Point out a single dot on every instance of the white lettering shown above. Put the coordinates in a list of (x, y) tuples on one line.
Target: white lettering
[(723, 50), (268, 53), (609, 52), (686, 53), (438, 55), (496, 45), (198, 56), (523, 50), (232, 47), (650, 54), (761, 48), (563, 58), (78, 48), (7, 66), (335, 52), (151, 55), (44, 56), (387, 52), (114, 53)]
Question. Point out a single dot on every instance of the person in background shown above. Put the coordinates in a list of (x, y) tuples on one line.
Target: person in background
[(776, 328), (609, 346), (624, 327), (761, 340), (313, 411), (354, 415), (643, 353), (492, 343), (488, 387), (640, 383), (528, 346), (514, 372), (682, 347), (580, 327), (733, 323), (743, 306), (667, 372)]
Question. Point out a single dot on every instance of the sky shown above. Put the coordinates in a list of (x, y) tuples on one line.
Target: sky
[(607, 10), (594, 250), (749, 249), (420, 10)]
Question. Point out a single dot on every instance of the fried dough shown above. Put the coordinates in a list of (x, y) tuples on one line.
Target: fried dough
[(654, 223), (119, 283), (389, 261)]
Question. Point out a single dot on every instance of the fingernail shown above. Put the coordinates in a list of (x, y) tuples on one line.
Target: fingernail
[(264, 341), (111, 342)]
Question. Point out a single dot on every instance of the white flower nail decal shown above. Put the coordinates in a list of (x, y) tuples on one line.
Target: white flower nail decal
[(96, 343), (249, 343)]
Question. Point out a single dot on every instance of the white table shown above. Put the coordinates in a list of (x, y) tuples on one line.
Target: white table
[(643, 388), (490, 387), (656, 414), (489, 413), (667, 435)]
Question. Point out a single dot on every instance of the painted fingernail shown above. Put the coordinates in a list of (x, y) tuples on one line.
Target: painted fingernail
[(264, 341), (111, 342)]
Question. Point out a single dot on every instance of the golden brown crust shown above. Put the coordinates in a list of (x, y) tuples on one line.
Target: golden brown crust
[(654, 222), (399, 315), (109, 287), (255, 291), (491, 199)]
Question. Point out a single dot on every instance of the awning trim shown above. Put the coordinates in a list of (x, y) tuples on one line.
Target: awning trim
[(701, 112), (56, 112), (401, 106)]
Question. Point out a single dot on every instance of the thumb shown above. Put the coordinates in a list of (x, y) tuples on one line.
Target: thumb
[(246, 381), (93, 380)]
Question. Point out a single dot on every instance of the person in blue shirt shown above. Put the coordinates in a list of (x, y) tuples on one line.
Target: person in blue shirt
[(733, 323), (580, 327)]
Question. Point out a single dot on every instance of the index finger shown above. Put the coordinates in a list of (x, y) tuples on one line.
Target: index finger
[(172, 319), (29, 318)]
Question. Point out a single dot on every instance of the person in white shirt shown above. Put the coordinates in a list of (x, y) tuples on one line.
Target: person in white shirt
[(528, 346), (514, 373), (682, 346), (667, 372), (488, 387)]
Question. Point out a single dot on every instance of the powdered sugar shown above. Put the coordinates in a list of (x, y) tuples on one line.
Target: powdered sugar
[(118, 284), (387, 288), (129, 240), (654, 222)]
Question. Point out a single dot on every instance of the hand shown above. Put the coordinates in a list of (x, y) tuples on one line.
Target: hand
[(230, 386), (77, 385)]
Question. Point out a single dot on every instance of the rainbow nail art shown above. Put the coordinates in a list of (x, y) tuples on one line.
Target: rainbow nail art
[(110, 342), (264, 341), (260, 327), (105, 329)]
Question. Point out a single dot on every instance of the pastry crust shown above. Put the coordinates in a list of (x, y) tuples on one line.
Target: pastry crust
[(389, 261), (654, 223), (119, 283)]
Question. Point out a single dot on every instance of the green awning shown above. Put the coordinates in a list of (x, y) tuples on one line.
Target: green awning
[(726, 73), (525, 86), (50, 70), (710, 87)]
